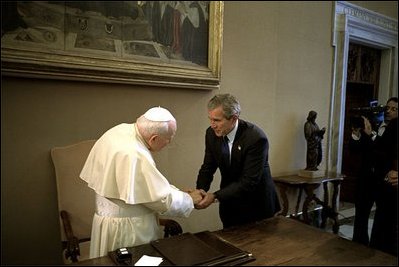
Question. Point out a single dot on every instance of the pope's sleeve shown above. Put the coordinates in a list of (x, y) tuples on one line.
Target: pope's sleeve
[(161, 196), (177, 204)]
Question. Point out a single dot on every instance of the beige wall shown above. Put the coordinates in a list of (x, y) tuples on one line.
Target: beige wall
[(277, 59), (387, 8)]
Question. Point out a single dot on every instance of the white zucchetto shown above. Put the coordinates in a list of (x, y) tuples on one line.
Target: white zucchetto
[(158, 114)]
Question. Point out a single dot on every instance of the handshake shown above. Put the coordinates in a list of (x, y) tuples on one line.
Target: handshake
[(201, 199)]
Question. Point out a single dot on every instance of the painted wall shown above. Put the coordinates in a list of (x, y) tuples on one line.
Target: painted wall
[(277, 59), (387, 8)]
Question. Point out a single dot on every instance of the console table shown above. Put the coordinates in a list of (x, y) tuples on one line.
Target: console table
[(309, 185)]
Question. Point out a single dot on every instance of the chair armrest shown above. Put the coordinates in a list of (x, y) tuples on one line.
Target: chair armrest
[(171, 227), (72, 243)]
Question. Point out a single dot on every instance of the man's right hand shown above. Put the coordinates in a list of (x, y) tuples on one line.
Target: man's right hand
[(208, 199)]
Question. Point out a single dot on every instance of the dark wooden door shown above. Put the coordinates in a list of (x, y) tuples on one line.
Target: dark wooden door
[(361, 89)]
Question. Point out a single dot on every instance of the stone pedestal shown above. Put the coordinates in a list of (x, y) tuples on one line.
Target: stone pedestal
[(311, 174)]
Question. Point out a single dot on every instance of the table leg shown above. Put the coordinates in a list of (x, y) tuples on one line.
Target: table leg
[(283, 194), (298, 202)]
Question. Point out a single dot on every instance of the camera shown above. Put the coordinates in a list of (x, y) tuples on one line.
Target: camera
[(374, 113)]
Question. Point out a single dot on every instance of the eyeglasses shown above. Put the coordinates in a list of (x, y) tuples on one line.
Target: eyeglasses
[(388, 108)]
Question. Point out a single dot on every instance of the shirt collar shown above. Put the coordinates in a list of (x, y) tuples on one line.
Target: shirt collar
[(231, 135)]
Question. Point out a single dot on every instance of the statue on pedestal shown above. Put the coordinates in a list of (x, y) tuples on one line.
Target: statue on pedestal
[(313, 136)]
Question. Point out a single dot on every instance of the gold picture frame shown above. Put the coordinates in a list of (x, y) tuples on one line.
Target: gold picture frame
[(25, 54)]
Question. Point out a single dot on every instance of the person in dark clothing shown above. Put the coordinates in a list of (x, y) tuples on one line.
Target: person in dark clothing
[(384, 234), (240, 150), (379, 156)]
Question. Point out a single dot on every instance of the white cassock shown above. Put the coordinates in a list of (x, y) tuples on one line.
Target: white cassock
[(130, 192)]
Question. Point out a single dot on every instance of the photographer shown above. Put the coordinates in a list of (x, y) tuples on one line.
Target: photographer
[(379, 157), (384, 234)]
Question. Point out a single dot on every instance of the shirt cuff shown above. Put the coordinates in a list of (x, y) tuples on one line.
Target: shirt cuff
[(373, 135), (355, 137)]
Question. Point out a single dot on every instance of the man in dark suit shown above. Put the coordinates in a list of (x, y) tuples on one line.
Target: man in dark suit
[(379, 157), (247, 192)]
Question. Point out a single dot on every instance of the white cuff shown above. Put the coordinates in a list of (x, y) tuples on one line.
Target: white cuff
[(181, 205), (355, 137), (373, 135)]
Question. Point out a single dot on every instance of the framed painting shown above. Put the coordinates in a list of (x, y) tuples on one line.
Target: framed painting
[(156, 43)]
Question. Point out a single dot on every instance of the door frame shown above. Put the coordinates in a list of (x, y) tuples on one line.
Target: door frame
[(360, 25)]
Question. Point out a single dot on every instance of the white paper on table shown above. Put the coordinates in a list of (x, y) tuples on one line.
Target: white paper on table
[(148, 261)]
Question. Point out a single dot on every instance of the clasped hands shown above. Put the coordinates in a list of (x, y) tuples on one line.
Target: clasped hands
[(201, 199)]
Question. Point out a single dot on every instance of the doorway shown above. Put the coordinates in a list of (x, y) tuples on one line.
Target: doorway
[(356, 25), (361, 89)]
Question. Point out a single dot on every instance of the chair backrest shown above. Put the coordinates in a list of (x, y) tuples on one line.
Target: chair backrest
[(74, 196)]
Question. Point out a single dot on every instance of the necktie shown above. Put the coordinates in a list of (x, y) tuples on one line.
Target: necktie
[(226, 151)]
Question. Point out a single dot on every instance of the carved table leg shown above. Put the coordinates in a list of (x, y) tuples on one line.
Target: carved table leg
[(298, 202), (283, 194)]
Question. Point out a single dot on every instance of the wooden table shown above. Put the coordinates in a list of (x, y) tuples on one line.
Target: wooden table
[(284, 241), (309, 185)]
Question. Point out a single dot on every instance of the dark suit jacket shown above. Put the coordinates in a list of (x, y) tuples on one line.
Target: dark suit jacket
[(384, 234), (247, 192), (378, 156), (385, 150)]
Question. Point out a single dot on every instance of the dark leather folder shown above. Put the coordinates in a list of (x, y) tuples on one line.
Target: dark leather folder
[(186, 249), (202, 248), (232, 254)]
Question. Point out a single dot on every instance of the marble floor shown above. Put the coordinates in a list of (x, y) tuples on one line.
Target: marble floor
[(346, 217)]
